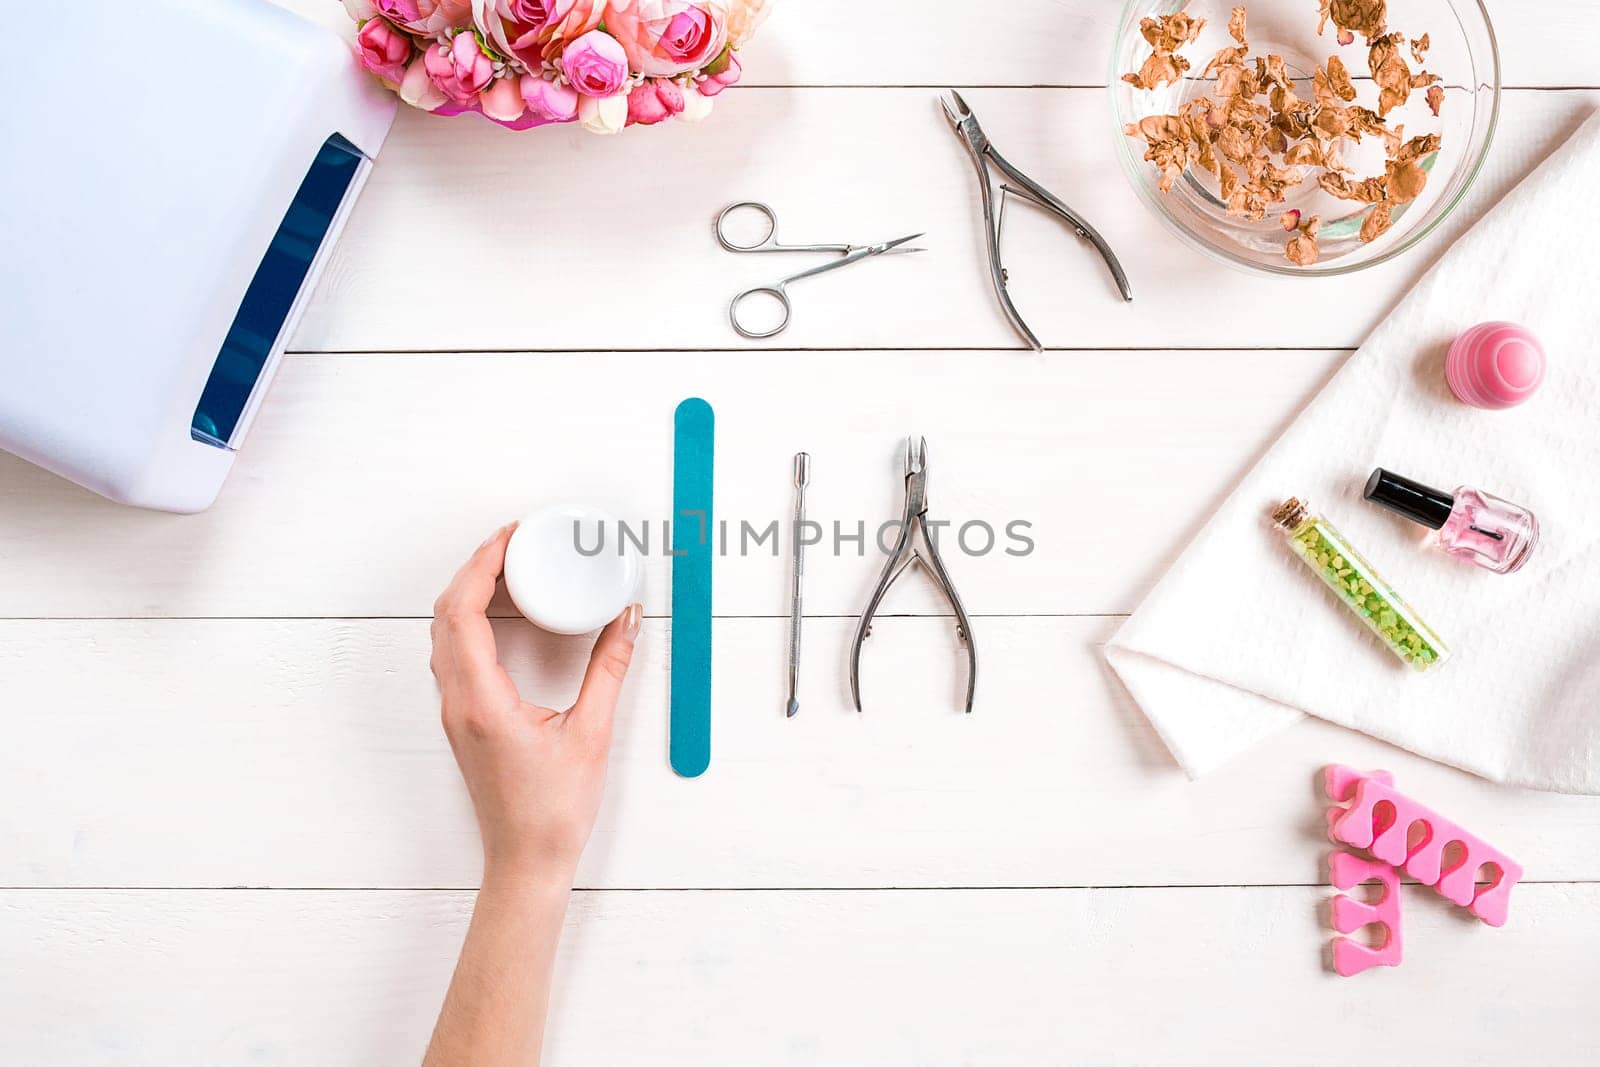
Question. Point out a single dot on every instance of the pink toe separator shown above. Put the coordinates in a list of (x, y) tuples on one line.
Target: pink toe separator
[(1351, 957), (1387, 837), (1339, 782)]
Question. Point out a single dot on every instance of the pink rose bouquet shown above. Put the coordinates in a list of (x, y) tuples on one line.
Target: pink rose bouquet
[(605, 64)]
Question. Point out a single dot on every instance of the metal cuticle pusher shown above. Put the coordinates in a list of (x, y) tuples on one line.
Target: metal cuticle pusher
[(802, 478)]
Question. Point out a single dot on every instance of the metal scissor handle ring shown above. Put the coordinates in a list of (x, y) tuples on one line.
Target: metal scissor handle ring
[(776, 291), (769, 239)]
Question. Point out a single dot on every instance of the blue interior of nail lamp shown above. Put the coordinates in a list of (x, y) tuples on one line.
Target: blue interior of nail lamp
[(265, 309)]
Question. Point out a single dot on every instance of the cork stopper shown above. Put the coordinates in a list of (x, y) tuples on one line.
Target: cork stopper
[(1291, 513)]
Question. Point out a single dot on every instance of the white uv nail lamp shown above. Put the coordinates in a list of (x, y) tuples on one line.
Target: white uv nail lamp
[(168, 198)]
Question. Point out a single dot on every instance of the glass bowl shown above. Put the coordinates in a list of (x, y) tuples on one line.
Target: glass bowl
[(1462, 53)]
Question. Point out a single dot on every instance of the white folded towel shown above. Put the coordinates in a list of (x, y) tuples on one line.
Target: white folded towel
[(1240, 638)]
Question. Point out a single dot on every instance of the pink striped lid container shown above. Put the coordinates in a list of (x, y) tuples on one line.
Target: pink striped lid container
[(1495, 365)]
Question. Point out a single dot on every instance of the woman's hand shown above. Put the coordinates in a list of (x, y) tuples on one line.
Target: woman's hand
[(536, 778), (535, 775)]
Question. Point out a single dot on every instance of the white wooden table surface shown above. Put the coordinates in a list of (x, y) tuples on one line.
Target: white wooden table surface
[(230, 829)]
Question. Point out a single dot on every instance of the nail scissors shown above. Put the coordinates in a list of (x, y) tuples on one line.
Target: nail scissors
[(780, 289), (914, 526), (983, 154)]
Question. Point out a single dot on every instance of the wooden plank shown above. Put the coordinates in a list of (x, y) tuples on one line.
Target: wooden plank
[(1035, 42), (1157, 977), (469, 237), (368, 479), (309, 754)]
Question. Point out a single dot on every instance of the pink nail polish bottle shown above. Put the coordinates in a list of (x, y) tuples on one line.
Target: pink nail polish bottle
[(1473, 525)]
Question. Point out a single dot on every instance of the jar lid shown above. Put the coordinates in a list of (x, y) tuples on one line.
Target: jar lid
[(570, 569)]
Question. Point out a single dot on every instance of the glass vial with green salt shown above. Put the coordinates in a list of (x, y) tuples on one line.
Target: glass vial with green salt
[(1360, 587)]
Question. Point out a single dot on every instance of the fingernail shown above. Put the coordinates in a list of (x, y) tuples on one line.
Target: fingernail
[(631, 619)]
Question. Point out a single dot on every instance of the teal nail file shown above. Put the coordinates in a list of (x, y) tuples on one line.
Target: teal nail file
[(693, 539)]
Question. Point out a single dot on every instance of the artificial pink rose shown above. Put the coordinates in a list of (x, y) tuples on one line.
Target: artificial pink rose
[(744, 18), (518, 18), (462, 70), (502, 101), (695, 106), (539, 14), (417, 87), (526, 28), (407, 13), (430, 17), (595, 64), (603, 114), (384, 50), (518, 27), (654, 100), (583, 16), (667, 37), (720, 74), (553, 102)]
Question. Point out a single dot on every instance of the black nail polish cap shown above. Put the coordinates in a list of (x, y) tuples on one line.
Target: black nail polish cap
[(1417, 502)]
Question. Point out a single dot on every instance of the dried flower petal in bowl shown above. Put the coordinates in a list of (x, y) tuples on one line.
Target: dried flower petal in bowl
[(1246, 123)]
